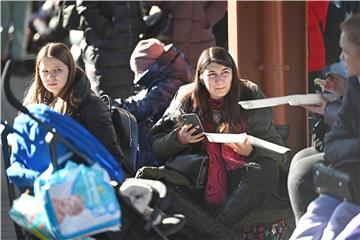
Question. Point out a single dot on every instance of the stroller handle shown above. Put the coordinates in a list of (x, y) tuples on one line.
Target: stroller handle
[(7, 90)]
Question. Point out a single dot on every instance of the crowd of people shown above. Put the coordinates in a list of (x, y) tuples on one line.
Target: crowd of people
[(158, 83)]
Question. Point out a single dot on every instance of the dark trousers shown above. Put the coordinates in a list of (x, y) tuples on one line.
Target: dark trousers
[(267, 177)]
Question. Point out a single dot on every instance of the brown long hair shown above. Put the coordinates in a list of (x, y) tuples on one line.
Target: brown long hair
[(230, 112), (37, 93)]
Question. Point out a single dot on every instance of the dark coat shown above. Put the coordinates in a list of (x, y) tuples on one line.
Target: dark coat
[(94, 115), (259, 124), (112, 30), (115, 25), (342, 142), (331, 111)]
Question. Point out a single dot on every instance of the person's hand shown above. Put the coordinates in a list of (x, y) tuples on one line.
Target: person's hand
[(335, 83), (186, 134), (317, 108), (243, 149)]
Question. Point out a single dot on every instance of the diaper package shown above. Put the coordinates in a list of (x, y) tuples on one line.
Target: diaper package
[(78, 201)]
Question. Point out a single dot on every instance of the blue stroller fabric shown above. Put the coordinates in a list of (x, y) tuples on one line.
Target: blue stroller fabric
[(30, 155)]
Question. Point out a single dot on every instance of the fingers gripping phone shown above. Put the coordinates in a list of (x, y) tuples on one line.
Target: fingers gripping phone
[(195, 121)]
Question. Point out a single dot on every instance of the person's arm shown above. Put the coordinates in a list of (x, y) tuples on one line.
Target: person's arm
[(335, 84), (317, 108), (156, 100), (98, 121), (342, 141), (91, 12), (331, 111), (167, 145), (164, 133)]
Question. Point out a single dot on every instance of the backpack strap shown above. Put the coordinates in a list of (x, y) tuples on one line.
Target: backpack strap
[(126, 129)]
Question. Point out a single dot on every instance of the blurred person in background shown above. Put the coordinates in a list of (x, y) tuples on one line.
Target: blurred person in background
[(14, 28), (192, 23), (111, 32)]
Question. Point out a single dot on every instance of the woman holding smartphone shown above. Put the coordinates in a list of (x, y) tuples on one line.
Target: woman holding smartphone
[(233, 188)]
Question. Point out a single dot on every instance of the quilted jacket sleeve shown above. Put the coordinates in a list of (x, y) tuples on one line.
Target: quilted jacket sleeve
[(156, 100), (91, 12), (343, 140)]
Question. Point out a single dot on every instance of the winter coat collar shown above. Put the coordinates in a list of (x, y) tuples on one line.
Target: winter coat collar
[(82, 90)]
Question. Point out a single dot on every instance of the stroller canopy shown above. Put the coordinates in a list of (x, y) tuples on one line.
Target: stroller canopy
[(31, 156)]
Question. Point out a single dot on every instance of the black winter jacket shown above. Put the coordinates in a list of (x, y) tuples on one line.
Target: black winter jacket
[(94, 115), (342, 142), (112, 24), (111, 30)]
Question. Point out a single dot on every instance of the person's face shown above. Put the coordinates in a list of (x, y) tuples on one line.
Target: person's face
[(73, 205), (350, 55), (53, 74), (217, 79)]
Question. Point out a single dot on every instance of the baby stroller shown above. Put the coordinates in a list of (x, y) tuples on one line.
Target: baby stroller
[(48, 138)]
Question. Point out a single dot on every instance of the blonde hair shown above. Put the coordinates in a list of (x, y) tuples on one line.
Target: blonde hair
[(351, 27), (37, 93)]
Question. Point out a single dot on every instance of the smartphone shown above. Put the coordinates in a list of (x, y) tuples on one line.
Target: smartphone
[(194, 119)]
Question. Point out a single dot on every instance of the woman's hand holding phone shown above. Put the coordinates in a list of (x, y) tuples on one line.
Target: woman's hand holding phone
[(186, 134)]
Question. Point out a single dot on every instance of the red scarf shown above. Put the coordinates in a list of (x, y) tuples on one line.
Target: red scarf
[(222, 160)]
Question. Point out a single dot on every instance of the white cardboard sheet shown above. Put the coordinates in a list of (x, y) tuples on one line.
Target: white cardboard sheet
[(293, 100), (240, 138)]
